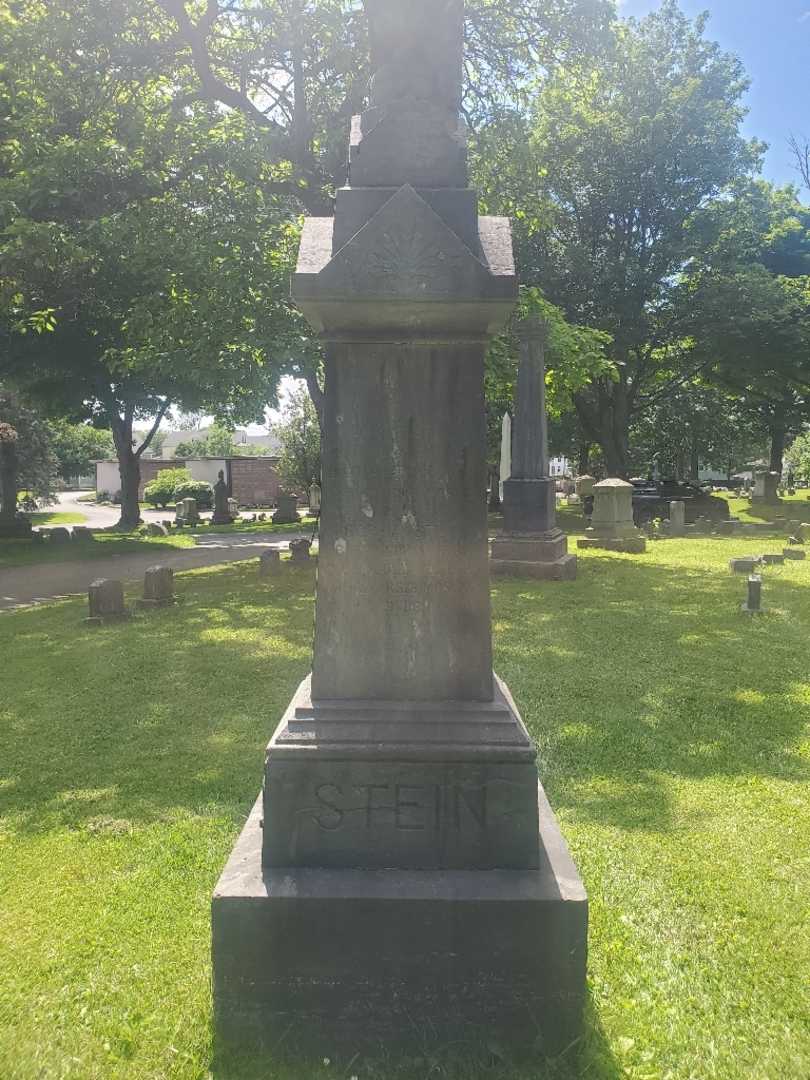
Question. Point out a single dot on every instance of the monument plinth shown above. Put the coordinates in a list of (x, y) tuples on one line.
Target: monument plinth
[(402, 871), (531, 544)]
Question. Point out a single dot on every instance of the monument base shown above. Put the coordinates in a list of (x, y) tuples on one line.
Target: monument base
[(632, 545), (544, 556), (353, 960), (564, 569)]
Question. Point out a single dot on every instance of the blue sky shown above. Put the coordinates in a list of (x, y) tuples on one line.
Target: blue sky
[(772, 38)]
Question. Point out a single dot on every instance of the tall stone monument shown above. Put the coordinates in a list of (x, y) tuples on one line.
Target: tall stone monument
[(402, 872), (222, 511), (531, 543)]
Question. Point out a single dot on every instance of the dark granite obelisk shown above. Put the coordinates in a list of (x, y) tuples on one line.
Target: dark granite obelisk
[(401, 873), (531, 544)]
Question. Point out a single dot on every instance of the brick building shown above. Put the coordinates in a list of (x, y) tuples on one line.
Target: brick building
[(252, 481)]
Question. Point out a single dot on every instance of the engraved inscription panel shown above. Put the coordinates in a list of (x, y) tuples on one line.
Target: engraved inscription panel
[(358, 814)]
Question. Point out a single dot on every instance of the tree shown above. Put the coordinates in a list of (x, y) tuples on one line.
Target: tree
[(747, 294), (27, 461), (797, 457), (695, 425), (78, 446), (298, 70), (145, 261), (616, 157), (574, 355), (299, 433)]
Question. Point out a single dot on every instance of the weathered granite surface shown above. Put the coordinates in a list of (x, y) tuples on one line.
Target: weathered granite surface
[(402, 870)]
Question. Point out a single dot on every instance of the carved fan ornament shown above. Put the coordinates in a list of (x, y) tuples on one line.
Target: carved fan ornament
[(410, 263)]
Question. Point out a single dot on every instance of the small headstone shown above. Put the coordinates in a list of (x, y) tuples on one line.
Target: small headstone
[(773, 560), (584, 485), (299, 550), (269, 563), (191, 515), (677, 517), (154, 528), (314, 498), (59, 535), (766, 486), (106, 601), (753, 605), (794, 554), (233, 508), (158, 587), (745, 565), (287, 510), (262, 517), (82, 533)]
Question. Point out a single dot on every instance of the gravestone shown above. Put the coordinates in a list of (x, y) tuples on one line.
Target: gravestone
[(105, 599), (269, 563), (794, 554), (287, 510), (402, 879), (677, 517), (775, 559), (753, 604), (59, 535), (315, 498), (186, 512), (299, 551), (612, 526), (222, 513), (233, 509), (745, 565), (158, 587), (82, 534), (155, 528), (765, 488), (531, 544), (584, 485), (505, 467)]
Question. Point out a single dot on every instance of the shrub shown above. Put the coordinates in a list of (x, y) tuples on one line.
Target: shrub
[(161, 490), (195, 489)]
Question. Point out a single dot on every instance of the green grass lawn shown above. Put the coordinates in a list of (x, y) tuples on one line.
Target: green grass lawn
[(58, 518), (792, 506), (673, 742)]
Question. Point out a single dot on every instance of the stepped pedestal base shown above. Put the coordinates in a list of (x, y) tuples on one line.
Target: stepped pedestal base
[(543, 556), (333, 960)]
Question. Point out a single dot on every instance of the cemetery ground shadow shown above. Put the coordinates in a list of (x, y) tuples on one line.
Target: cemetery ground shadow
[(590, 1056), (640, 672), (168, 713)]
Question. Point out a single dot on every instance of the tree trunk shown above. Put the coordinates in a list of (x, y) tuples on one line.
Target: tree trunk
[(584, 459), (606, 422), (129, 467), (316, 394), (777, 433), (694, 463), (8, 481)]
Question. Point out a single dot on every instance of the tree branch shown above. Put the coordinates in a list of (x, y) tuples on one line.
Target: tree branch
[(164, 408)]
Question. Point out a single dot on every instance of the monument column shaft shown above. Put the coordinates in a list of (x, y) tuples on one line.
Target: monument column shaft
[(403, 608), (530, 452)]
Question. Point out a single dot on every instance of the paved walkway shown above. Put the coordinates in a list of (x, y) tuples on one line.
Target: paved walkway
[(21, 586), (104, 517)]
